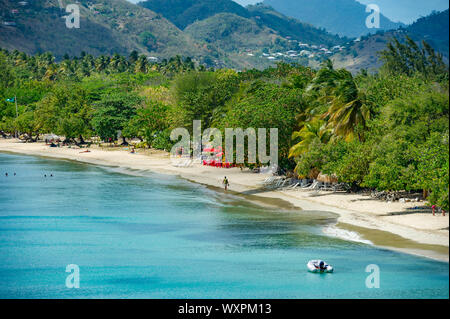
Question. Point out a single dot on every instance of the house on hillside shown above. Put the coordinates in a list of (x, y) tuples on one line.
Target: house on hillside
[(305, 53)]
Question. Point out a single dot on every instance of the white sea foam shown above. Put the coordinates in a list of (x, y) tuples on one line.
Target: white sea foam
[(334, 231)]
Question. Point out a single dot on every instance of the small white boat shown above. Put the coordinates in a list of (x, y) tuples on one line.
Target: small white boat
[(319, 266)]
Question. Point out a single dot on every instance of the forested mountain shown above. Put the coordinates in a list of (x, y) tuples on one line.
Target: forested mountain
[(218, 33), (118, 26), (293, 28), (106, 27), (343, 17), (434, 29), (185, 12), (235, 34), (246, 35), (363, 54)]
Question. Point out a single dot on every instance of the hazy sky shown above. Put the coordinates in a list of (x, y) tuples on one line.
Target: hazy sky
[(406, 11), (246, 2)]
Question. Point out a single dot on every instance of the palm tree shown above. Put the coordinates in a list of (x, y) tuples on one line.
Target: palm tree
[(345, 116), (101, 63), (315, 130), (347, 108), (141, 64), (51, 72)]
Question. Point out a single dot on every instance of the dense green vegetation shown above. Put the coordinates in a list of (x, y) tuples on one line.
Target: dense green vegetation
[(387, 131)]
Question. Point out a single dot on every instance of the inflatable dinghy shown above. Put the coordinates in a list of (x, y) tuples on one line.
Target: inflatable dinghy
[(319, 266)]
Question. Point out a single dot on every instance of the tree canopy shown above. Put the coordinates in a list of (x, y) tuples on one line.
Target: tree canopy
[(387, 131)]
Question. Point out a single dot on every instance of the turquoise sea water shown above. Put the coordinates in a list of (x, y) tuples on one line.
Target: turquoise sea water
[(156, 236)]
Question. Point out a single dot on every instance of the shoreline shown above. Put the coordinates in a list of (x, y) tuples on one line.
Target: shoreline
[(386, 225)]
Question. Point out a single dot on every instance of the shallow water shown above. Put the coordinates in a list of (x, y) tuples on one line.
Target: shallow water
[(157, 236)]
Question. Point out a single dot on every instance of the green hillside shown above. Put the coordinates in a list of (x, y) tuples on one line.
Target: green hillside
[(363, 54), (290, 27), (237, 36), (434, 29), (253, 37), (106, 27), (234, 33), (185, 12)]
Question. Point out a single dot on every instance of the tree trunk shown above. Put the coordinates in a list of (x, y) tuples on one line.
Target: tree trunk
[(124, 141), (34, 140), (82, 140)]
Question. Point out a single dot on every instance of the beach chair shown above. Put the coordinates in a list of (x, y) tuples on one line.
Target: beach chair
[(293, 186), (274, 183), (308, 185), (304, 183), (279, 182), (283, 183), (325, 187), (314, 186), (341, 187)]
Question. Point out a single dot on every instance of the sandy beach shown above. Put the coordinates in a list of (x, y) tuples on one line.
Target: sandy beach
[(393, 226)]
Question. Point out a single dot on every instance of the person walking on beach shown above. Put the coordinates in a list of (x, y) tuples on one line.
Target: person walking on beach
[(434, 210), (226, 183)]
